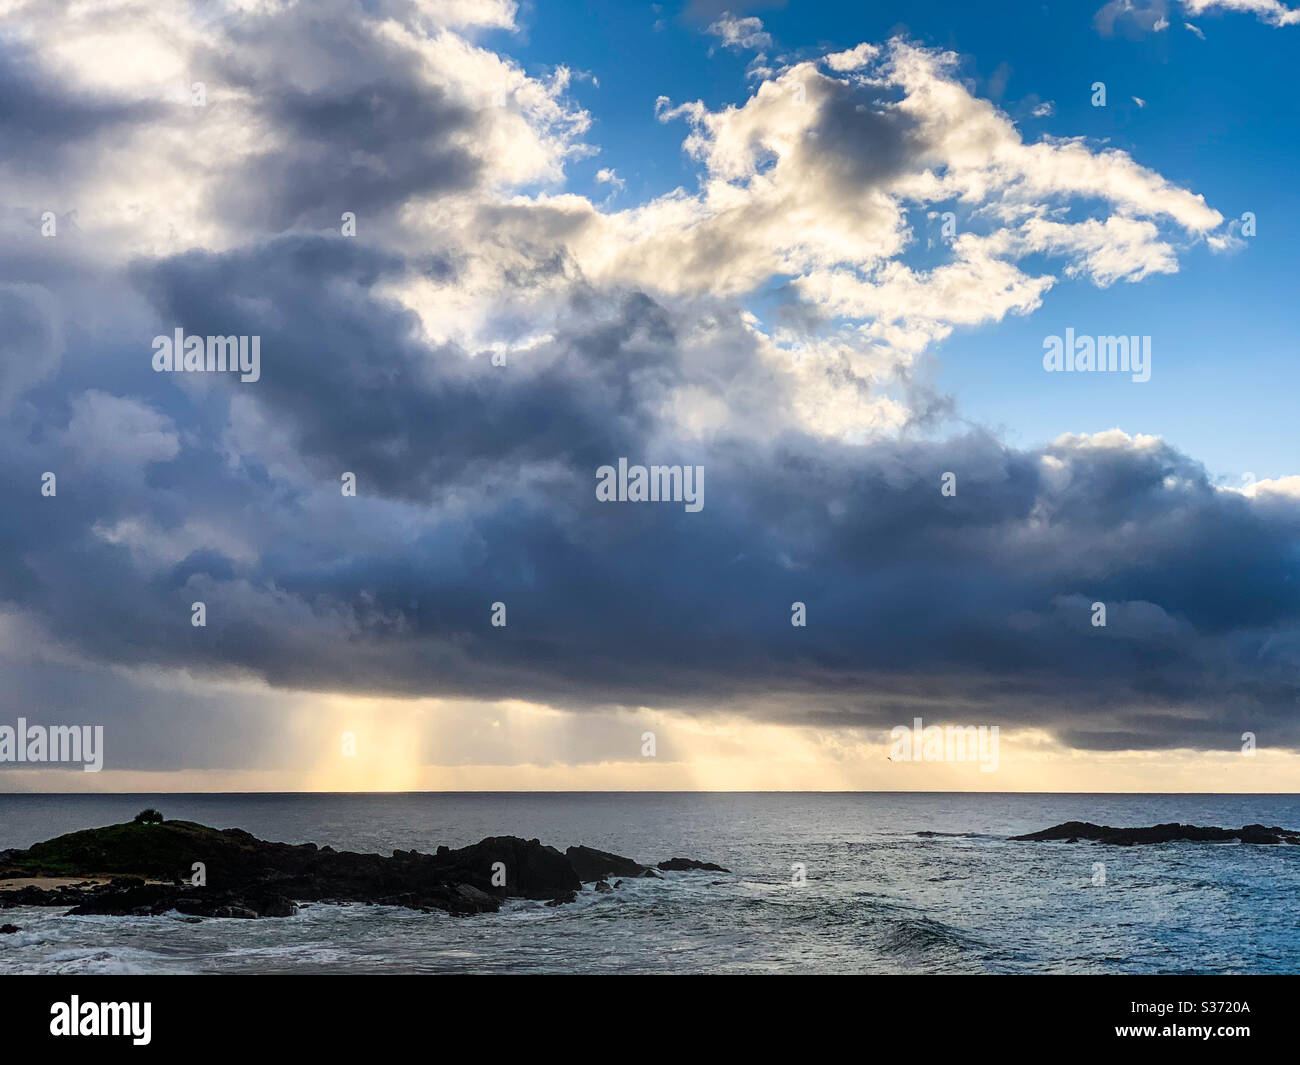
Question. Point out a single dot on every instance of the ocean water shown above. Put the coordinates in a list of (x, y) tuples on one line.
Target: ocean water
[(895, 883)]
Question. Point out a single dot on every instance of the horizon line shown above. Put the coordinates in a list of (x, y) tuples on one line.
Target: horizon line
[(125, 794)]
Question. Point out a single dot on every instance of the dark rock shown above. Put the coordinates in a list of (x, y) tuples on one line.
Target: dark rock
[(480, 901), (532, 869), (8, 929), (591, 864), (149, 866), (275, 906), (1073, 831), (240, 912), (141, 900), (603, 887), (561, 900), (678, 864)]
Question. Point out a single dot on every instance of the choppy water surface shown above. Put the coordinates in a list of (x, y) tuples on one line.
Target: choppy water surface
[(894, 883)]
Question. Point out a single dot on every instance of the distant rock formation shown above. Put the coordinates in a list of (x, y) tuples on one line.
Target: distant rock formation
[(1073, 831), (677, 864), (141, 868)]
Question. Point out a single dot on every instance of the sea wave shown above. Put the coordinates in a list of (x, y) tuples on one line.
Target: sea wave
[(925, 935)]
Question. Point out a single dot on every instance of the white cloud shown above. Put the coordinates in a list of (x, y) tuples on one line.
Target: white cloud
[(1143, 16), (1270, 11), (740, 34), (853, 59), (1283, 487), (153, 183), (815, 179)]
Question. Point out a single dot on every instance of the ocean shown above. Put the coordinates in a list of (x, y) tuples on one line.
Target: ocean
[(819, 883)]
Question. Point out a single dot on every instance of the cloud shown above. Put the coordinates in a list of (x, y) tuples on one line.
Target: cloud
[(33, 344), (1132, 17), (487, 339), (1135, 17), (847, 153), (307, 113), (608, 176), (1270, 11), (740, 34)]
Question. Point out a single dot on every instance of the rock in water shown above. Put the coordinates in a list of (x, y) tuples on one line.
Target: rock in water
[(532, 870), (150, 866), (275, 906), (561, 900), (591, 864), (676, 864), (1073, 831), (235, 911)]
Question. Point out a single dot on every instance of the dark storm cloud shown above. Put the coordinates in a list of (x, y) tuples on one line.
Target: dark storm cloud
[(365, 150), (980, 601), (345, 373)]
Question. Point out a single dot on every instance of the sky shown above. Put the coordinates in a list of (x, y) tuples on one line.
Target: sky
[(815, 253)]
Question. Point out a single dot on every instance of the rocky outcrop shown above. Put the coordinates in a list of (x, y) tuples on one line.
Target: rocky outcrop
[(531, 869), (207, 872), (1073, 831), (591, 864), (679, 864)]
